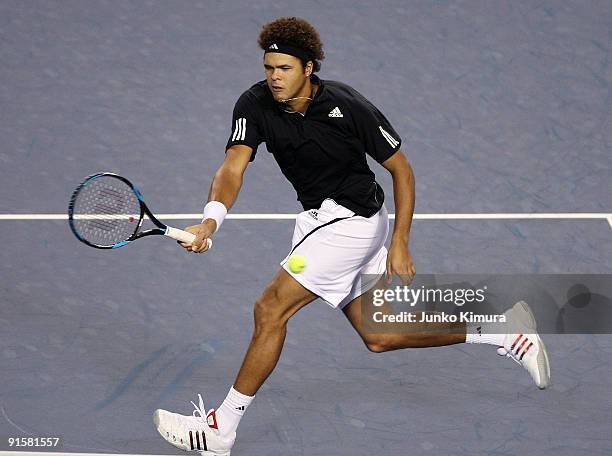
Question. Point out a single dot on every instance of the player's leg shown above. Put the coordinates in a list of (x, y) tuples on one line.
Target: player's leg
[(213, 433), (517, 338), (414, 335), (282, 298)]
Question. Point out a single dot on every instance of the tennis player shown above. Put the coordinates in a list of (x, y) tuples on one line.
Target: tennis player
[(320, 132)]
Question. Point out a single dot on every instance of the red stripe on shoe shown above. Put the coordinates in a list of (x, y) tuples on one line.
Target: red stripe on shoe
[(516, 342), (526, 350), (521, 346)]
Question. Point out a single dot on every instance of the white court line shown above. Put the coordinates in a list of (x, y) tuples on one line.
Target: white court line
[(481, 216)]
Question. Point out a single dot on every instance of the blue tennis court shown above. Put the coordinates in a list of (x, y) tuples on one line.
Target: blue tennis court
[(503, 107)]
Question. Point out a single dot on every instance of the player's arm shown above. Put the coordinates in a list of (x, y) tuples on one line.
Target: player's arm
[(399, 259), (382, 143), (227, 181), (224, 188)]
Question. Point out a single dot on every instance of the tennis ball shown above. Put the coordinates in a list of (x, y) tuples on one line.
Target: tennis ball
[(297, 263)]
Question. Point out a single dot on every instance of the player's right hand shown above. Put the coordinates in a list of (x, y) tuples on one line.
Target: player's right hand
[(202, 231)]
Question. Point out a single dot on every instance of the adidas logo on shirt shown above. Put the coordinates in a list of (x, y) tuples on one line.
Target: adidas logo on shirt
[(335, 112)]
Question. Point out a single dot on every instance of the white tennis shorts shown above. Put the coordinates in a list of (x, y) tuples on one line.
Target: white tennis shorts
[(339, 247)]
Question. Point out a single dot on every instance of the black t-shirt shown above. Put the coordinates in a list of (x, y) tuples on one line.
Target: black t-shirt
[(323, 152)]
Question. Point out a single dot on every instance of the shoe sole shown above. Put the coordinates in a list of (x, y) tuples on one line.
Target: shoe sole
[(543, 365), (542, 359), (156, 419)]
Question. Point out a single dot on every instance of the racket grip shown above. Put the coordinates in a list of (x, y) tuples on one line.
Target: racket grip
[(183, 236)]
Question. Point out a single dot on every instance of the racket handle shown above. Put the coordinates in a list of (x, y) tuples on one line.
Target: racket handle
[(183, 236)]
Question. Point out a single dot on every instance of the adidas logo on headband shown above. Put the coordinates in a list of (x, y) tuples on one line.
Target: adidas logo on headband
[(290, 50)]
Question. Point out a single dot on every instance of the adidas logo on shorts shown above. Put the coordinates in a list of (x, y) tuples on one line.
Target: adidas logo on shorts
[(335, 112)]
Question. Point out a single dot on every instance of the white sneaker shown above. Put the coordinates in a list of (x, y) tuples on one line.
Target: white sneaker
[(198, 432), (523, 345)]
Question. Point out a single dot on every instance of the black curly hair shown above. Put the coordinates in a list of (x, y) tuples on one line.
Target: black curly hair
[(295, 32)]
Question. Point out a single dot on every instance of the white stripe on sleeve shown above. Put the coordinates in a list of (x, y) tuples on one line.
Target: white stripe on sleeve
[(243, 135), (392, 142), (239, 129), (235, 131)]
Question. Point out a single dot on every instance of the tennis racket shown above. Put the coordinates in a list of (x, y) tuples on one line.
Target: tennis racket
[(106, 211)]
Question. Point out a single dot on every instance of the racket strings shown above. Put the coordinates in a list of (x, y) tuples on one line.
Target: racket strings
[(106, 211)]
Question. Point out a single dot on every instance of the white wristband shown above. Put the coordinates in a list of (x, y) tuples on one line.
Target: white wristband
[(216, 211)]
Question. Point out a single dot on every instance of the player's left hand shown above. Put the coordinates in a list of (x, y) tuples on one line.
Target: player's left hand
[(399, 261)]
